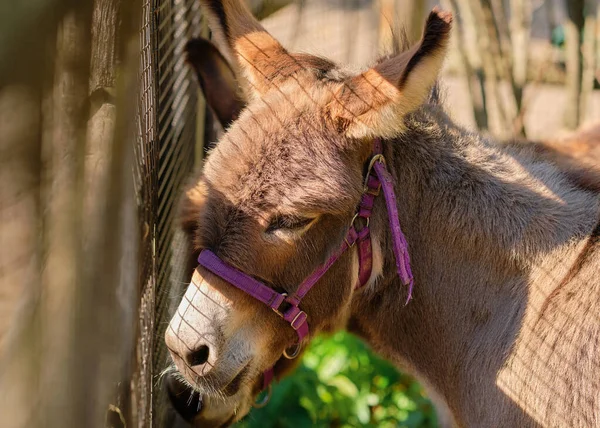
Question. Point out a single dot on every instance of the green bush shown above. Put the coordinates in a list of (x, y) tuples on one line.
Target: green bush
[(341, 383)]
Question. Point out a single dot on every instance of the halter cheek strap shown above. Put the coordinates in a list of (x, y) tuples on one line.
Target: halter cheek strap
[(379, 179), (287, 307)]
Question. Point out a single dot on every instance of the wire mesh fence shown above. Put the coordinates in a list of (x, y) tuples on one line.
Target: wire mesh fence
[(176, 103), (101, 124)]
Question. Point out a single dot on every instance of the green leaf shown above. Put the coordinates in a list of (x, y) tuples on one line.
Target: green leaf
[(344, 386), (324, 394)]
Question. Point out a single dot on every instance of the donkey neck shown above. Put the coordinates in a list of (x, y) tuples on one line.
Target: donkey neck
[(463, 190), (477, 218)]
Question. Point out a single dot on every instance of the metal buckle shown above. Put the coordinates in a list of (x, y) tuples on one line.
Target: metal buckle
[(276, 310), (262, 403), (296, 319), (351, 227), (348, 243)]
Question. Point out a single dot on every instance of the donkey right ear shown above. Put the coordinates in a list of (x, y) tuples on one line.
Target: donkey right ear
[(216, 79), (257, 56), (374, 103)]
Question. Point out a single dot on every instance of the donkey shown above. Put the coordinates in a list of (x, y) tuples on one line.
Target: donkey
[(504, 247)]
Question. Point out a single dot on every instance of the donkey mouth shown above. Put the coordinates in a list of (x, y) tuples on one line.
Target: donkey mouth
[(194, 407), (186, 401), (225, 388)]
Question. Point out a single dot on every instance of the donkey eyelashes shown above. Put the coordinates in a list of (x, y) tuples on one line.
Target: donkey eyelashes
[(289, 223)]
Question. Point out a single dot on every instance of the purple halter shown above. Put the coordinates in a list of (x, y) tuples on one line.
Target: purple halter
[(377, 178)]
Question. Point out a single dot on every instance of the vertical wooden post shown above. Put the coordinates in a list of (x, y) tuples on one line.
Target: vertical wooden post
[(20, 166), (63, 145)]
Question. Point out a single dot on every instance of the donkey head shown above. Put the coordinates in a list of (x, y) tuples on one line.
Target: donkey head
[(276, 196)]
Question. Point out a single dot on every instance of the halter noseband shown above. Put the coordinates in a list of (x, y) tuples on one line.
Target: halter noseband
[(286, 306)]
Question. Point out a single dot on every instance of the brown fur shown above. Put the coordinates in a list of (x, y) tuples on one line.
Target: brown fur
[(493, 231)]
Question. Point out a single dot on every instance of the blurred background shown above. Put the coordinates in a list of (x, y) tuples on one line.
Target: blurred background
[(101, 121)]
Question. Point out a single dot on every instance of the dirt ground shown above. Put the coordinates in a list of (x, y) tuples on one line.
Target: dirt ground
[(347, 32)]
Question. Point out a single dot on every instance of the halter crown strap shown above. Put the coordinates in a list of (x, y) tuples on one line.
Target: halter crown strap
[(400, 245), (398, 239)]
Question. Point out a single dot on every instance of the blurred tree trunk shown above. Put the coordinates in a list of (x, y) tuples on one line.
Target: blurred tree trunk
[(597, 54), (574, 60), (107, 186), (588, 51), (491, 59), (415, 13), (496, 64), (472, 67), (387, 15), (401, 22), (597, 41), (520, 35), (495, 54)]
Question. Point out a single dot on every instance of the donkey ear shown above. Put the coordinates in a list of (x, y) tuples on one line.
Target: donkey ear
[(373, 103), (260, 58), (216, 79)]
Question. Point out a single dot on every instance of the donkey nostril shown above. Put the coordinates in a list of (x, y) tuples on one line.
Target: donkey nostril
[(199, 356)]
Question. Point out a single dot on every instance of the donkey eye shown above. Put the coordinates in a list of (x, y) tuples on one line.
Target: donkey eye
[(288, 223)]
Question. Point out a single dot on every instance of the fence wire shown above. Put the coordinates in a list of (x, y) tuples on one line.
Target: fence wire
[(175, 126)]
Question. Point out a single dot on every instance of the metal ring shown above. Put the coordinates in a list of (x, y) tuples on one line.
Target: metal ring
[(262, 403), (374, 159), (294, 354), (356, 217), (285, 295)]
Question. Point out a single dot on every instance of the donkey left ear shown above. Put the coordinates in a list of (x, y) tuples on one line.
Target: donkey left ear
[(373, 103), (217, 80), (259, 57)]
